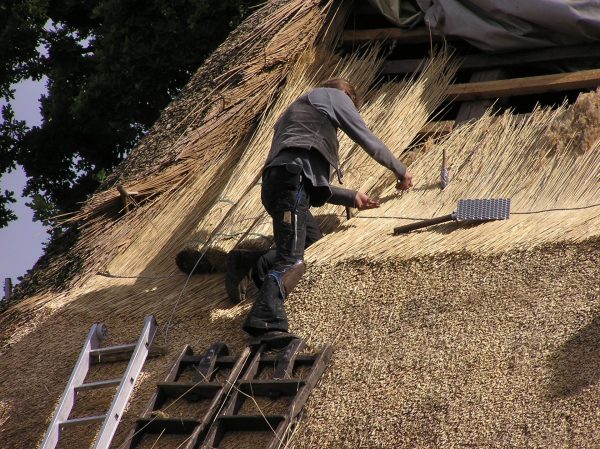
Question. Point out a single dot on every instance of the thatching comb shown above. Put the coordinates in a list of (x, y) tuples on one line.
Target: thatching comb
[(467, 210)]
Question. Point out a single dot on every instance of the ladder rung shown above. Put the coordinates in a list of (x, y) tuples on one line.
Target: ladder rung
[(225, 362), (80, 421), (300, 360), (269, 387), (110, 350), (168, 425), (180, 389), (99, 384), (256, 423)]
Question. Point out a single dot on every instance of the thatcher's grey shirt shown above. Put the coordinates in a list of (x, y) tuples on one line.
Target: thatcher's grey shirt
[(337, 107)]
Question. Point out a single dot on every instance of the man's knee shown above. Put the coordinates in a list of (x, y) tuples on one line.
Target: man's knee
[(288, 278)]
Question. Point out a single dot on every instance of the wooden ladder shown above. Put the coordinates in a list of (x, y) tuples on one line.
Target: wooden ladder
[(90, 354), (203, 386), (281, 386)]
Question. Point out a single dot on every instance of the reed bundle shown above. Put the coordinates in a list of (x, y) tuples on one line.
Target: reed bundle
[(211, 140), (493, 158)]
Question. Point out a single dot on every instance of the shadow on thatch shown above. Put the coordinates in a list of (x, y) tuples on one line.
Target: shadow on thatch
[(328, 223), (575, 365), (430, 186)]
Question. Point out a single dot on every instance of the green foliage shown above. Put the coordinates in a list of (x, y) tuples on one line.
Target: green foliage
[(112, 66)]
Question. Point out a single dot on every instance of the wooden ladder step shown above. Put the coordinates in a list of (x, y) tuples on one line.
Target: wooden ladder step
[(272, 388), (181, 389), (168, 425), (301, 359), (99, 384), (205, 368), (194, 359), (254, 423)]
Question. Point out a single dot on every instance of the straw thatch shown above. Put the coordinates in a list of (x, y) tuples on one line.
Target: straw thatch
[(454, 336), (201, 135)]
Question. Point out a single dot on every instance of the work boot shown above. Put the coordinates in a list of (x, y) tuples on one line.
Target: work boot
[(276, 339), (239, 268)]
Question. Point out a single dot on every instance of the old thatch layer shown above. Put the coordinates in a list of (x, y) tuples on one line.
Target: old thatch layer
[(455, 350)]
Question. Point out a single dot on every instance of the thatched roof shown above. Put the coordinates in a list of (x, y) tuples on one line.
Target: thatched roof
[(454, 336)]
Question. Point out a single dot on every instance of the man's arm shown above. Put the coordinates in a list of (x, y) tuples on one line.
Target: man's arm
[(335, 104), (351, 198), (342, 197)]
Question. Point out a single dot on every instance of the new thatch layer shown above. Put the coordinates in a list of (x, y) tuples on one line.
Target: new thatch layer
[(201, 135)]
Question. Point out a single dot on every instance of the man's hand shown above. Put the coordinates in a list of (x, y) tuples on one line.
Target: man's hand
[(405, 183), (362, 201)]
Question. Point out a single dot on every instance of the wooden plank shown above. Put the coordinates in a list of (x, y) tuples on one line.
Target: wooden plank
[(194, 390), (436, 129), (143, 424), (470, 110), (271, 388), (488, 61), (205, 370), (196, 428), (420, 35), (218, 400), (250, 423), (154, 425), (234, 402), (285, 365), (525, 86), (311, 381), (294, 409)]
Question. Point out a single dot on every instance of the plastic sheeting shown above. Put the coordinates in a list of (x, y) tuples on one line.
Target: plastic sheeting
[(401, 13), (505, 25)]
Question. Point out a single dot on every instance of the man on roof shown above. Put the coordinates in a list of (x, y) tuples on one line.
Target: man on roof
[(296, 175)]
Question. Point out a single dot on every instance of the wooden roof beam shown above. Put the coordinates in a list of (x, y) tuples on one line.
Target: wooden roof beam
[(525, 86), (420, 35), (488, 61)]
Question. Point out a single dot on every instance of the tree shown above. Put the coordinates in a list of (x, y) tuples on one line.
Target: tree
[(111, 66)]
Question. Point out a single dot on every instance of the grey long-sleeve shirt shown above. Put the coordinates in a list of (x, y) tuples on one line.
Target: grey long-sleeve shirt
[(337, 107)]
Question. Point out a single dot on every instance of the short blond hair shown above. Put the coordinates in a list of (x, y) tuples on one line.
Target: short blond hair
[(343, 85)]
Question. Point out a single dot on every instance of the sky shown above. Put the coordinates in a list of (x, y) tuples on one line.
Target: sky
[(21, 241)]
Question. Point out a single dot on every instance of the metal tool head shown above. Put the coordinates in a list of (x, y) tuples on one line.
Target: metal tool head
[(483, 209)]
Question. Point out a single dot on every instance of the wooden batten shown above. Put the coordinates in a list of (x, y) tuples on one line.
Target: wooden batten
[(415, 36), (585, 79), (488, 61)]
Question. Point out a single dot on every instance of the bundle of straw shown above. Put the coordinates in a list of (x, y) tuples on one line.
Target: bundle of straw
[(213, 137)]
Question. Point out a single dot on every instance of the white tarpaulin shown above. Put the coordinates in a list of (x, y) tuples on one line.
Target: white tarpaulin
[(504, 25)]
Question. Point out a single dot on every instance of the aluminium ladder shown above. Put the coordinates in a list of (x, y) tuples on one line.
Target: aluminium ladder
[(92, 353)]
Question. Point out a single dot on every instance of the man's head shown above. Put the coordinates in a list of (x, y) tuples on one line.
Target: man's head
[(345, 86)]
